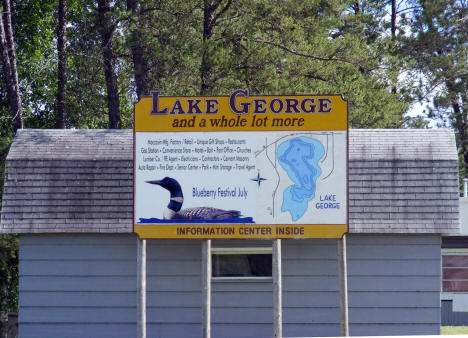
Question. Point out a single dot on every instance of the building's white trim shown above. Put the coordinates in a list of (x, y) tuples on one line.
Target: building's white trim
[(453, 251), (242, 251)]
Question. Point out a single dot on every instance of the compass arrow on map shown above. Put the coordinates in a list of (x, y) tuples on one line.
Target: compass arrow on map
[(258, 179)]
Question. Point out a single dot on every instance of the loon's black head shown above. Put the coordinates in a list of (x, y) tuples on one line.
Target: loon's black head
[(177, 198), (170, 184)]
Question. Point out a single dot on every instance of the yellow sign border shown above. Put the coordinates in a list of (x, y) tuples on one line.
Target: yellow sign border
[(177, 113), (240, 231)]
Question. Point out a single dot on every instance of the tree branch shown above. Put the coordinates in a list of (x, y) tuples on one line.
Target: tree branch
[(226, 7), (314, 57)]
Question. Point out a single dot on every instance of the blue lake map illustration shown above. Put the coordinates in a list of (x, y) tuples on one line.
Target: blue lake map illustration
[(299, 158), (302, 174)]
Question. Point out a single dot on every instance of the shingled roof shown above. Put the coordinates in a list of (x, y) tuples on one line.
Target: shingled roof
[(67, 181), (403, 181)]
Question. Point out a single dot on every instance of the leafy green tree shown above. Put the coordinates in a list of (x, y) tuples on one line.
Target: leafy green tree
[(268, 47), (321, 47), (9, 65), (8, 258), (192, 47), (166, 36), (439, 44), (8, 275), (91, 87), (107, 29), (62, 64)]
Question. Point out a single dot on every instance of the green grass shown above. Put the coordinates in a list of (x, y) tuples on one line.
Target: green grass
[(454, 330)]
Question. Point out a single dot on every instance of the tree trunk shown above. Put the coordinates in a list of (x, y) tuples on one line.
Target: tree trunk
[(393, 28), (62, 62), (206, 66), (140, 67), (209, 22), (393, 19), (106, 30), (10, 72)]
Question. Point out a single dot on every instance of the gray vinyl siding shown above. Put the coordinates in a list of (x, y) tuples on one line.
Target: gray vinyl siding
[(394, 284), (174, 288), (310, 288), (77, 286), (85, 286)]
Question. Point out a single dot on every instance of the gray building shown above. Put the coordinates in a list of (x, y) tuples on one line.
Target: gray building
[(455, 270), (69, 195)]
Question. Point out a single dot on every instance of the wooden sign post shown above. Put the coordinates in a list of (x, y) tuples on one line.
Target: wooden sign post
[(277, 290), (343, 282), (141, 288), (206, 291)]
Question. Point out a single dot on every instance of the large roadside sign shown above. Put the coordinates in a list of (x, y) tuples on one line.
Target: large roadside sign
[(241, 166)]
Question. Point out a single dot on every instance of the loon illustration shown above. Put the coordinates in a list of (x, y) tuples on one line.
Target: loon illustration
[(173, 209)]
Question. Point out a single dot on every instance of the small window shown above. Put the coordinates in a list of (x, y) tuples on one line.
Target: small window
[(241, 262), (454, 270)]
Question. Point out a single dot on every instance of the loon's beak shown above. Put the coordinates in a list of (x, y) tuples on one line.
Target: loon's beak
[(158, 182)]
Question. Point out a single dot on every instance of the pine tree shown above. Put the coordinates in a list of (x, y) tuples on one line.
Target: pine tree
[(440, 46)]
